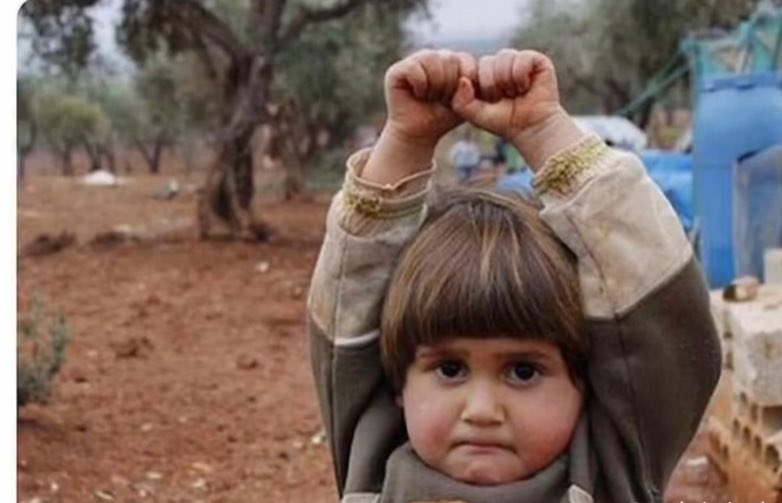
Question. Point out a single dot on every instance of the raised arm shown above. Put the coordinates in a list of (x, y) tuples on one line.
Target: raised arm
[(378, 210), (655, 356)]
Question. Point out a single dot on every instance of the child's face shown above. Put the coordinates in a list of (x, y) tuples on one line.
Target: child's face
[(490, 411)]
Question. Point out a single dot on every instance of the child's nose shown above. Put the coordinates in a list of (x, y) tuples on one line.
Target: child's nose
[(482, 406)]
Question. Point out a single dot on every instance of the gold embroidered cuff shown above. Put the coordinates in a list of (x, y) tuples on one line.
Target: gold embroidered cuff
[(564, 172), (370, 205)]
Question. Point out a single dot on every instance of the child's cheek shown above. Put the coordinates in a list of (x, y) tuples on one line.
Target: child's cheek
[(429, 426)]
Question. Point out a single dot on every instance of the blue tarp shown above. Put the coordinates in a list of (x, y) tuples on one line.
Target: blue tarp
[(672, 171)]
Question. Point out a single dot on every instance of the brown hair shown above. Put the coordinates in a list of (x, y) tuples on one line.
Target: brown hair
[(483, 265)]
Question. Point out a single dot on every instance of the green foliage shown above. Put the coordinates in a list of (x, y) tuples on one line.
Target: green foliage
[(334, 71), (328, 170), (235, 14), (67, 120), (120, 104), (198, 95), (165, 100), (156, 86), (41, 342), (64, 32), (614, 47)]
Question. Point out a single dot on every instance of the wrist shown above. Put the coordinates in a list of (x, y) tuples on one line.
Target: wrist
[(540, 142), (397, 156)]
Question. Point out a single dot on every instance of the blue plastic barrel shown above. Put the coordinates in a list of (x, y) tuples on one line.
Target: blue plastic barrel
[(735, 117)]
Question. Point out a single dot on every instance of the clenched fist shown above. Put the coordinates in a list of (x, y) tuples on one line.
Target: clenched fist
[(419, 90), (518, 98)]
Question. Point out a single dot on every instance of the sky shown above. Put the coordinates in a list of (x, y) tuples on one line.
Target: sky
[(469, 19)]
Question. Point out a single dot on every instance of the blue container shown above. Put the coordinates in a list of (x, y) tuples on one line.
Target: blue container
[(736, 116)]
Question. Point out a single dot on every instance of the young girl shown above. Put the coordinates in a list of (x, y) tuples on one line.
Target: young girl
[(509, 373)]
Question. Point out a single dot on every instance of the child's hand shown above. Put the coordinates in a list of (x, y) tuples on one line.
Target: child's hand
[(519, 100), (419, 91)]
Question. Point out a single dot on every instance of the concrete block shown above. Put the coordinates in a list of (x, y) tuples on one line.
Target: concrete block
[(756, 328), (719, 311)]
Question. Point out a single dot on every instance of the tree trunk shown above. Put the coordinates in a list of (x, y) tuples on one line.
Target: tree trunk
[(23, 149), (228, 192), (229, 188), (153, 156), (21, 157), (93, 154), (294, 177), (157, 154), (187, 149), (295, 145), (66, 164), (107, 152), (21, 154)]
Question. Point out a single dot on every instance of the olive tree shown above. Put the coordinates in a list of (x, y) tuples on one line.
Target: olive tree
[(68, 122), (240, 44)]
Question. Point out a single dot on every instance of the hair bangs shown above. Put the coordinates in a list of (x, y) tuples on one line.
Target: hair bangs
[(483, 266)]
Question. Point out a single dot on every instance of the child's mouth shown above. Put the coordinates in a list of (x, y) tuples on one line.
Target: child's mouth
[(481, 446)]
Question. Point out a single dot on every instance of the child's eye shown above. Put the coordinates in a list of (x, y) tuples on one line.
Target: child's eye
[(451, 369), (523, 373)]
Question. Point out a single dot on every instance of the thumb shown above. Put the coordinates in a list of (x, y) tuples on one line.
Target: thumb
[(464, 101)]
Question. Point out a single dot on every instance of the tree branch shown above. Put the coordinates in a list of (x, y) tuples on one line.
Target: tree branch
[(200, 21), (202, 51), (306, 15)]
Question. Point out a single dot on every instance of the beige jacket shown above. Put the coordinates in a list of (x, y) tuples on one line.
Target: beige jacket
[(654, 362)]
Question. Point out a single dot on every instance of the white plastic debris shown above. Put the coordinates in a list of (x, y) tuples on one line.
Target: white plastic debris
[(101, 178)]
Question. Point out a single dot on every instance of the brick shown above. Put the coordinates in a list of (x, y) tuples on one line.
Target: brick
[(766, 420), (772, 456), (719, 444), (721, 404), (756, 328), (749, 480), (718, 417)]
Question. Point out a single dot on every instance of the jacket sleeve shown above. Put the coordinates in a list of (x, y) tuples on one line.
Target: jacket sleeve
[(367, 226), (654, 358)]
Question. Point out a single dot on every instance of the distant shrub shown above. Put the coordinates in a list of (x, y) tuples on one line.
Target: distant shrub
[(41, 341)]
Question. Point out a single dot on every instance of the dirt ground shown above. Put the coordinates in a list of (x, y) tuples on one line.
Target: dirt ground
[(187, 376)]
